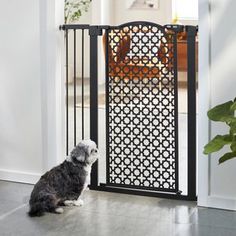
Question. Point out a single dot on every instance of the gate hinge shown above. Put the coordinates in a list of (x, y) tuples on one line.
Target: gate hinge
[(179, 192), (95, 30), (191, 30), (175, 28)]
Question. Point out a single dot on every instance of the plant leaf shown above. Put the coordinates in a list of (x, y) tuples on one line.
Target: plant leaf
[(233, 106), (232, 127), (221, 112), (233, 146), (217, 143), (227, 156), (74, 9)]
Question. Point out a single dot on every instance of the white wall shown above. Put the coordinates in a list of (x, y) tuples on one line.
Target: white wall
[(124, 15), (217, 84), (163, 15), (28, 91)]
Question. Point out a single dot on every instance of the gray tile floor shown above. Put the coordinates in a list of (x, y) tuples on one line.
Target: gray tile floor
[(113, 214)]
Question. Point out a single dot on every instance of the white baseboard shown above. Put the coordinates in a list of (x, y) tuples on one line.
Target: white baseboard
[(218, 202), (18, 176)]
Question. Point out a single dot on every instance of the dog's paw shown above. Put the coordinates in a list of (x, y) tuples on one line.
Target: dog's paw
[(59, 210), (79, 202), (69, 203)]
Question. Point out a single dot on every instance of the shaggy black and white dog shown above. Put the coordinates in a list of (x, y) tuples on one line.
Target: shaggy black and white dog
[(64, 184)]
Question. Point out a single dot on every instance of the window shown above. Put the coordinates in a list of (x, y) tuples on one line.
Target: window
[(184, 9)]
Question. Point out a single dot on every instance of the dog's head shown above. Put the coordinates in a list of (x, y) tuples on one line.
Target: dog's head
[(86, 152)]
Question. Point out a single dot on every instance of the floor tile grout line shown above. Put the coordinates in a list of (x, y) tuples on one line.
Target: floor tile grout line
[(2, 217)]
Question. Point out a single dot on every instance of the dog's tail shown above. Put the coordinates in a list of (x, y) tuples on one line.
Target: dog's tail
[(36, 210)]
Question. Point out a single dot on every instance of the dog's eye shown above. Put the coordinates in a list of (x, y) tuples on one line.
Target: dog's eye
[(95, 150)]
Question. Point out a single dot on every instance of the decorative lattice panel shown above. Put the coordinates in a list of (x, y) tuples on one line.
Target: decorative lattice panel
[(142, 107)]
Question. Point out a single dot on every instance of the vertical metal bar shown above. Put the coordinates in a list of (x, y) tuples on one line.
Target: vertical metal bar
[(94, 32), (191, 77), (74, 87), (82, 92), (107, 80), (176, 117), (67, 95)]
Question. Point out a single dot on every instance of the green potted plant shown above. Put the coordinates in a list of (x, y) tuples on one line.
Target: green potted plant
[(74, 9), (223, 113)]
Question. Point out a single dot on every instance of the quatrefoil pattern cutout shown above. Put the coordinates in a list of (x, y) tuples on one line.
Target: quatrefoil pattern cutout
[(141, 108)]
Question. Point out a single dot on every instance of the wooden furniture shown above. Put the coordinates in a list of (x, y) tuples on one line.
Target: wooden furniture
[(120, 66), (182, 52)]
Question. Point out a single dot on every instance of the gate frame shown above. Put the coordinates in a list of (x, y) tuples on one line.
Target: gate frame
[(175, 29), (94, 32)]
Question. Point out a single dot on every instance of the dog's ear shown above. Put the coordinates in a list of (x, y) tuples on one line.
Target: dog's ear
[(81, 157), (79, 153), (87, 150)]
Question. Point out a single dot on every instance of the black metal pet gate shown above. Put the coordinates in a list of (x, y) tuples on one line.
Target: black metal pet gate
[(141, 106)]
